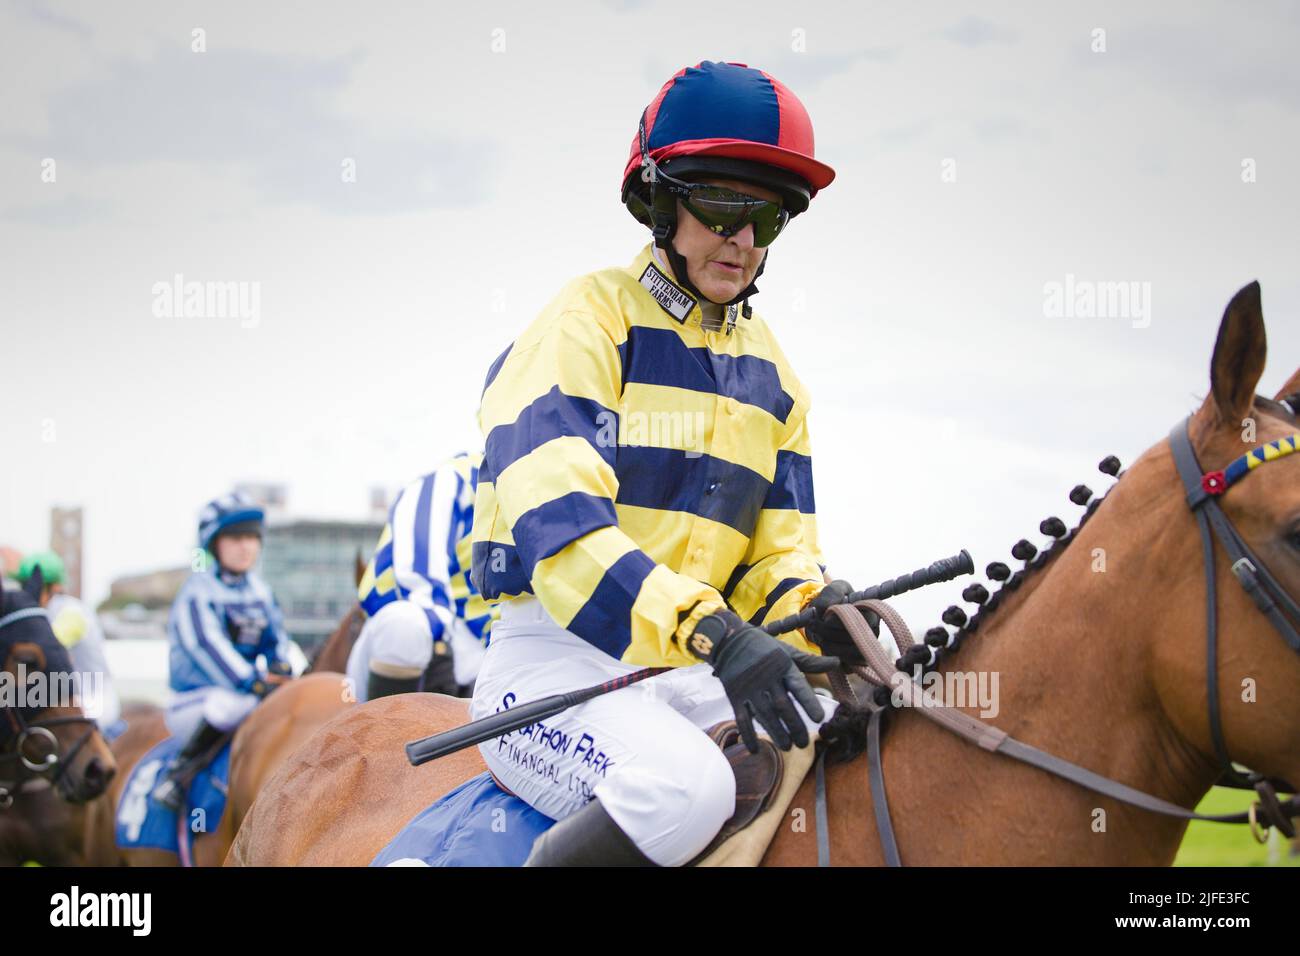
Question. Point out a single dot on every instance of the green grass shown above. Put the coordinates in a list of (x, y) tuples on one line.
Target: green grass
[(1225, 844)]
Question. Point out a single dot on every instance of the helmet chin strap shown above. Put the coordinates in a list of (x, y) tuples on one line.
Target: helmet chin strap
[(678, 263)]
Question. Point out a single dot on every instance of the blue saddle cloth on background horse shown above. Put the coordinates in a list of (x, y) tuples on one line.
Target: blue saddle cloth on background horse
[(114, 730), (143, 823), (477, 824)]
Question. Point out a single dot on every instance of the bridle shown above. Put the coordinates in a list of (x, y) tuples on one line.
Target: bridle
[(1203, 489), (55, 765)]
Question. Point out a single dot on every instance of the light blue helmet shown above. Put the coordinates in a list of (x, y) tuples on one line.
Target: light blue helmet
[(222, 514)]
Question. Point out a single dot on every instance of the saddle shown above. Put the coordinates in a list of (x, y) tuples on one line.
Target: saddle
[(758, 782), (766, 782), (758, 775)]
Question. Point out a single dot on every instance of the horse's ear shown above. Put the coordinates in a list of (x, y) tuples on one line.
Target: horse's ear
[(35, 584), (1291, 388), (1239, 354)]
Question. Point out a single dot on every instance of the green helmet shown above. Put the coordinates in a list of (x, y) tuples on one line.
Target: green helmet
[(50, 563)]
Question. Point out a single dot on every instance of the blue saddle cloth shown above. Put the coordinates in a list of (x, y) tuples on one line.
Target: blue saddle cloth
[(114, 730), (143, 823), (477, 824)]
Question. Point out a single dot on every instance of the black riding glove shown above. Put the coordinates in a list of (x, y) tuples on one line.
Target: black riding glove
[(762, 676), (827, 631)]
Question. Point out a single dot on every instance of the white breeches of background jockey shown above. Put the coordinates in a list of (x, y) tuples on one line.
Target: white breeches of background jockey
[(221, 707), (111, 707), (397, 639), (98, 699), (467, 652), (640, 750)]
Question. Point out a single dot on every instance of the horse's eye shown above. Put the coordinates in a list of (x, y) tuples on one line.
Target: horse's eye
[(1293, 538)]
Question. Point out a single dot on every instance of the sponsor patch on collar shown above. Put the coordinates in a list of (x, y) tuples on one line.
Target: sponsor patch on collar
[(670, 298)]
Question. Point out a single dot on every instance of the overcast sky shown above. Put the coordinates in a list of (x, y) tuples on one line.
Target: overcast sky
[(979, 158)]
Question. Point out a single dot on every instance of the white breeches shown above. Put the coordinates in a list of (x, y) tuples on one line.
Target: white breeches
[(221, 707), (98, 699), (640, 750), (467, 652), (396, 643)]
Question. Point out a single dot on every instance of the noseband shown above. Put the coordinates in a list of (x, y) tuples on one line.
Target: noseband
[(1203, 489), (55, 762)]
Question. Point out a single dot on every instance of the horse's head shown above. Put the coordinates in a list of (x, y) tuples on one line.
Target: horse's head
[(43, 731), (332, 653), (1258, 679)]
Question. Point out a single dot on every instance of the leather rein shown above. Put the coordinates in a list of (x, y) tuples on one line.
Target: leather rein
[(1282, 610)]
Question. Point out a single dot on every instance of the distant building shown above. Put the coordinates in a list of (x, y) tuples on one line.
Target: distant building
[(311, 567), (134, 622), (379, 499), (153, 590), (65, 541), (272, 497), (138, 605)]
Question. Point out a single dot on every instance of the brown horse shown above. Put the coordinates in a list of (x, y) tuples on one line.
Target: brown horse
[(1100, 655), (277, 726), (145, 727), (349, 789), (52, 759), (332, 655)]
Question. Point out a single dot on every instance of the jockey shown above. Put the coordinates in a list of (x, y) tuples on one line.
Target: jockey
[(77, 628), (646, 497), (223, 618), (417, 593)]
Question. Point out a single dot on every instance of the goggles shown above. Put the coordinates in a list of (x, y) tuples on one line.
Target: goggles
[(723, 211)]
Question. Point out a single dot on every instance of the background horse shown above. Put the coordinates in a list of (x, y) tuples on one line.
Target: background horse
[(1099, 646), (52, 758), (332, 655), (286, 718)]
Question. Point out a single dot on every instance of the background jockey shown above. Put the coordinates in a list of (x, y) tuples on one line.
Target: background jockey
[(77, 629), (646, 497), (417, 593), (223, 618)]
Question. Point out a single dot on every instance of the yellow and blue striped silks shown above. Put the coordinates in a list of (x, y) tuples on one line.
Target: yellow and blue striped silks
[(638, 462)]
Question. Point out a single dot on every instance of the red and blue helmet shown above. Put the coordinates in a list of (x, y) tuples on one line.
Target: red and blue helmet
[(728, 120)]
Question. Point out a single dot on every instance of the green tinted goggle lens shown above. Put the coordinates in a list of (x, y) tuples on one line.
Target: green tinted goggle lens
[(726, 212)]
